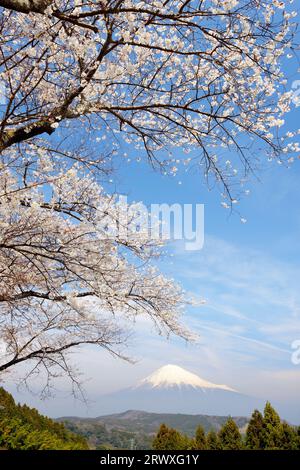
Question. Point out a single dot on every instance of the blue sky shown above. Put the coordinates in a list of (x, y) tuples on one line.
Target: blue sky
[(248, 274)]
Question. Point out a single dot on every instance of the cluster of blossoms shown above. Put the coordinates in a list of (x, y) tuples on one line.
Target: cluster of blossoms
[(65, 280), (161, 74)]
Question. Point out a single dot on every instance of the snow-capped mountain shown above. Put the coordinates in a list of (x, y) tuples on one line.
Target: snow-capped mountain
[(172, 389), (174, 376)]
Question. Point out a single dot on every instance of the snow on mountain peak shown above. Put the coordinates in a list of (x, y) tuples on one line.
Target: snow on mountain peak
[(172, 375)]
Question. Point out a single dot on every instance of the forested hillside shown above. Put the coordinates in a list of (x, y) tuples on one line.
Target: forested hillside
[(23, 428), (264, 432)]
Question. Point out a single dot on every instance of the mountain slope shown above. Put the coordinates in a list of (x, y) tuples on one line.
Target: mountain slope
[(23, 428)]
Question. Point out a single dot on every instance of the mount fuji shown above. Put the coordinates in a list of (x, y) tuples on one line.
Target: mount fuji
[(172, 389)]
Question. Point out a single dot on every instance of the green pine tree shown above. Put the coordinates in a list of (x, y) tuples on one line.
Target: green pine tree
[(200, 439), (255, 431), (212, 441), (272, 433), (170, 439), (288, 437), (186, 443), (230, 437)]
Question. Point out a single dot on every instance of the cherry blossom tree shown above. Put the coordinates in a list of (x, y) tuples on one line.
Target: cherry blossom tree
[(80, 80), (65, 280)]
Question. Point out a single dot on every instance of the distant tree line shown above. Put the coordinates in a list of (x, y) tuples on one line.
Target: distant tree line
[(264, 432), (23, 428)]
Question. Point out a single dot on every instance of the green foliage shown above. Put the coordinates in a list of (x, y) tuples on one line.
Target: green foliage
[(263, 432), (200, 439), (170, 439), (106, 437), (186, 443), (255, 431), (272, 433), (23, 428), (297, 438), (230, 437), (212, 441), (288, 437), (271, 417)]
